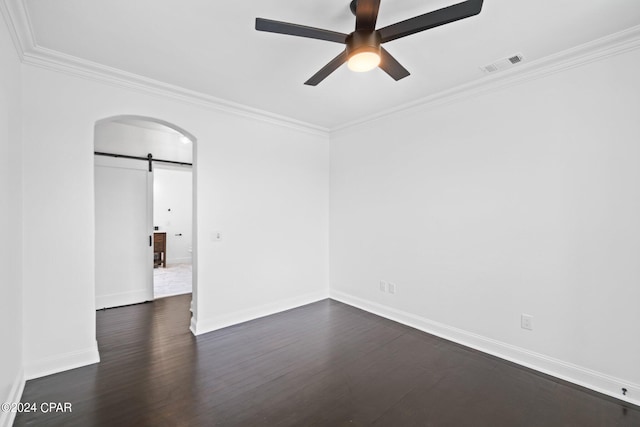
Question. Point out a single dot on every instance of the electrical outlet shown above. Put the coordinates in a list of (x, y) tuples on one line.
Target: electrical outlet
[(392, 288), (526, 322), (383, 286)]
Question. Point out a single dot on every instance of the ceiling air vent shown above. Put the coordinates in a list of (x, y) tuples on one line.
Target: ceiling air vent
[(515, 59), (490, 68), (503, 63)]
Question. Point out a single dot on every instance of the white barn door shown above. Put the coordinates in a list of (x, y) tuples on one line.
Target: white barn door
[(124, 231)]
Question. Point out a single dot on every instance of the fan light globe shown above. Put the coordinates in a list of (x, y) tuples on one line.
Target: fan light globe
[(363, 61)]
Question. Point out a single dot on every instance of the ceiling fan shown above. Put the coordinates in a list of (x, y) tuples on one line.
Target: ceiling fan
[(363, 50)]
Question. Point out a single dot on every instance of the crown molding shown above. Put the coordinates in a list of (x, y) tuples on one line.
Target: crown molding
[(57, 61), (596, 50), (18, 25)]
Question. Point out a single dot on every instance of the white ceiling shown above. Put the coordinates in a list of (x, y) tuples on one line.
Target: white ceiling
[(211, 47)]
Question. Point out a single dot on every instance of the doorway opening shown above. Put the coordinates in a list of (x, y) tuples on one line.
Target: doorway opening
[(173, 242), (145, 215)]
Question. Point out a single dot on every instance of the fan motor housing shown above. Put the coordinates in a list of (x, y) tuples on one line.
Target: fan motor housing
[(363, 41), (353, 5)]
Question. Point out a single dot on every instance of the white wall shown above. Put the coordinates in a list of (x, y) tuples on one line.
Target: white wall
[(172, 210), (121, 138), (264, 186), (523, 200), (11, 375)]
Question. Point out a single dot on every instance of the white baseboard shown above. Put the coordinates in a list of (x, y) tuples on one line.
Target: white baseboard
[(202, 326), (123, 298), (579, 375), (62, 362), (15, 394), (193, 327)]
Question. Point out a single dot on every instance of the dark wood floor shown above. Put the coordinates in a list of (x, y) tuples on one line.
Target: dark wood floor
[(325, 364)]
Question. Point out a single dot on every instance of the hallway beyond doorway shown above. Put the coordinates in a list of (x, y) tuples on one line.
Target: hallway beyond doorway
[(173, 280)]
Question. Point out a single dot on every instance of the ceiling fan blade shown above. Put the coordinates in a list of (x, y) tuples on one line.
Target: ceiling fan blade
[(367, 14), (430, 20), (327, 69), (391, 66), (279, 27)]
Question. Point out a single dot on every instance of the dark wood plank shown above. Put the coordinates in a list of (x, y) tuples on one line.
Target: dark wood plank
[(325, 364)]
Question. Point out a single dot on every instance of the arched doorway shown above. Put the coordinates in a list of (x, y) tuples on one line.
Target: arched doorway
[(129, 151)]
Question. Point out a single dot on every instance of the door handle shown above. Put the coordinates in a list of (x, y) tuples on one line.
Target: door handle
[(150, 241)]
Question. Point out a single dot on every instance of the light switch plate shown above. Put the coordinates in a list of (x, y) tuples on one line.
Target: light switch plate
[(526, 322), (392, 288)]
